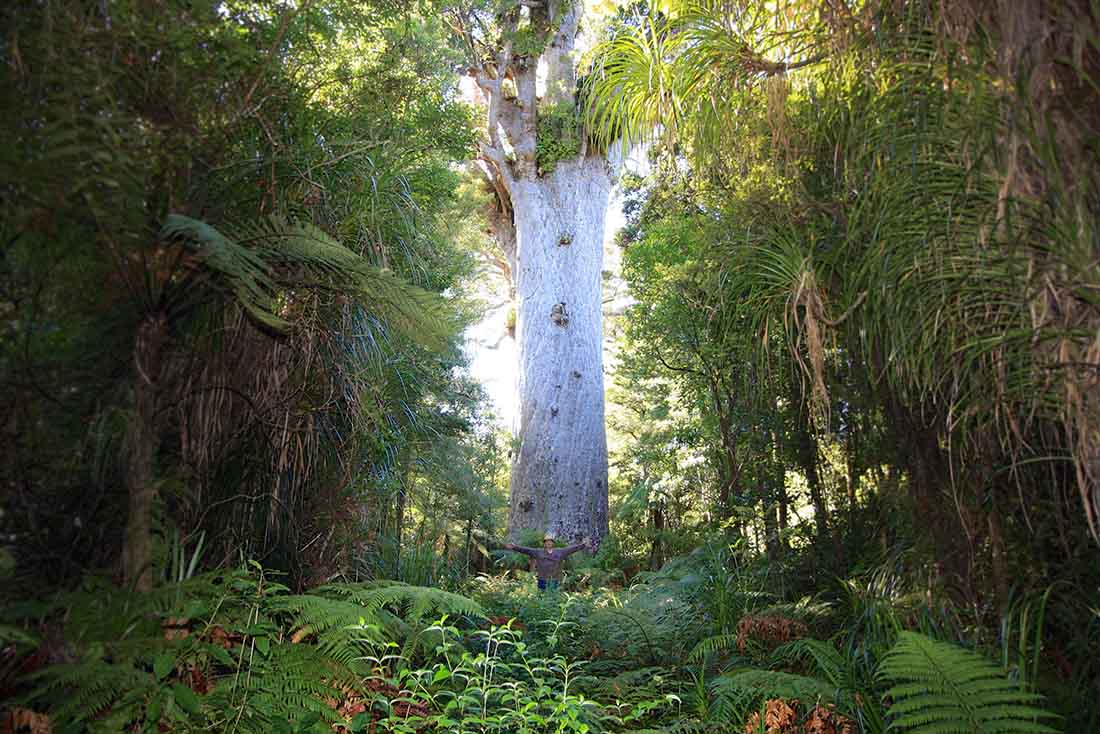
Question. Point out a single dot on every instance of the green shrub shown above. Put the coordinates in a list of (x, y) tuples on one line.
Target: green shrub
[(559, 135), (228, 650)]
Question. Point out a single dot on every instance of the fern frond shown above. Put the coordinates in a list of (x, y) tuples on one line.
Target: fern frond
[(88, 689), (824, 656), (262, 258), (939, 687), (284, 683), (300, 249), (757, 683), (320, 614), (419, 601), (241, 270), (712, 645)]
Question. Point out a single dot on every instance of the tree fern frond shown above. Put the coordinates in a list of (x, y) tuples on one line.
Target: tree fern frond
[(242, 270), (939, 687), (262, 258)]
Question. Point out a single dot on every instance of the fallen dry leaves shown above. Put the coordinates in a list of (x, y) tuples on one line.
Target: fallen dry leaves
[(770, 629), (25, 721), (781, 717)]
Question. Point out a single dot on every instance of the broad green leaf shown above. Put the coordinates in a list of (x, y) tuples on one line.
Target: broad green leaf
[(163, 664), (186, 698)]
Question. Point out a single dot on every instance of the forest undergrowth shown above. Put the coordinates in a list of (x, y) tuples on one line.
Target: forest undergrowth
[(702, 645)]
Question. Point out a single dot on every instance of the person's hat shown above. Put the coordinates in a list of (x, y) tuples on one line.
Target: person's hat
[(548, 536)]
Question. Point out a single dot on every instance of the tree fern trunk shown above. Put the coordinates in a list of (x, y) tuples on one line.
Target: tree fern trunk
[(141, 448)]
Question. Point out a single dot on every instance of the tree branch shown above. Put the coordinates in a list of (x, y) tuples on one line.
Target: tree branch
[(674, 368)]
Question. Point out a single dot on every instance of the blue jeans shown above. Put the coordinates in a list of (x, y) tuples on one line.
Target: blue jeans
[(548, 584)]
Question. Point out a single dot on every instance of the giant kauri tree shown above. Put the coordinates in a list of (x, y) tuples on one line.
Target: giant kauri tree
[(551, 189)]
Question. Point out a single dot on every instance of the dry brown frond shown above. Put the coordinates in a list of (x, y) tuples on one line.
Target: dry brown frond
[(771, 629), (806, 310)]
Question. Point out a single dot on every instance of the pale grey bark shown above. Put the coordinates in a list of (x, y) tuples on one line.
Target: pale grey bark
[(561, 75), (550, 228), (559, 474)]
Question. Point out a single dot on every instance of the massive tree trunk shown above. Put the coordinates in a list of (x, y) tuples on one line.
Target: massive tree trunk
[(549, 222), (559, 477)]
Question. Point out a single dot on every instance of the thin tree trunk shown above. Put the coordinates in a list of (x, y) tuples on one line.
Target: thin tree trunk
[(399, 519), (731, 481), (807, 457), (854, 472), (780, 480), (771, 533), (141, 448), (998, 556), (469, 543), (656, 551), (781, 488)]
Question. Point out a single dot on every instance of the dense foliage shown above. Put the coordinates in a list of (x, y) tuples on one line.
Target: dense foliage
[(864, 271), (226, 232), (248, 484)]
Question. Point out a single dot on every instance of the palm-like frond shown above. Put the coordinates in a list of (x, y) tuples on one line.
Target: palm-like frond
[(265, 259), (629, 94), (939, 687), (674, 72)]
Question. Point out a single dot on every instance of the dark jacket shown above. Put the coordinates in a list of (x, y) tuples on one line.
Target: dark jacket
[(548, 562)]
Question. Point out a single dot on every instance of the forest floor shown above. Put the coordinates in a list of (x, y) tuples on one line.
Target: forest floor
[(701, 645)]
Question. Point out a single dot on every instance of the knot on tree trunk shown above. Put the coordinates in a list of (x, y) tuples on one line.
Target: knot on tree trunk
[(559, 315)]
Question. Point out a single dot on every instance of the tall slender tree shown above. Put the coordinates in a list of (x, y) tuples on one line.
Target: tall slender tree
[(552, 191)]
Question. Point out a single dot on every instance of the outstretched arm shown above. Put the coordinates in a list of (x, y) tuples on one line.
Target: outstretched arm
[(521, 549), (570, 550)]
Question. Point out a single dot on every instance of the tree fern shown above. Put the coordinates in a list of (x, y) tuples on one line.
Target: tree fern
[(939, 688)]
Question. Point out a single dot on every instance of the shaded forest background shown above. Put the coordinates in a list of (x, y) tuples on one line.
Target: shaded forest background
[(858, 390)]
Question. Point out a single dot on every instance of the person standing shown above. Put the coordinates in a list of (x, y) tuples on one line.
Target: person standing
[(548, 559)]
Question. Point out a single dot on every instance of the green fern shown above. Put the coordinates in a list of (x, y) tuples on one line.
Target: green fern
[(711, 646), (848, 673), (88, 689), (284, 683), (735, 694), (939, 688), (413, 603), (262, 258)]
